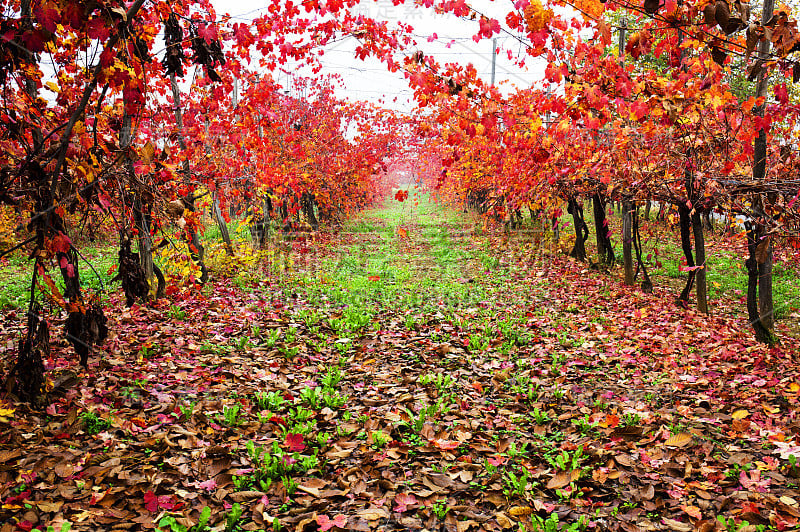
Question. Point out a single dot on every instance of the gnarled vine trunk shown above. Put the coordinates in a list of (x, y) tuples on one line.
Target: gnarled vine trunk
[(757, 251), (575, 208), (686, 246), (605, 250), (627, 239)]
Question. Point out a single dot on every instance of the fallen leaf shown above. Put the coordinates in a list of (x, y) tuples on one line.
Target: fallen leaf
[(692, 511), (504, 521), (559, 480), (677, 525), (326, 523), (373, 514), (294, 442), (682, 439)]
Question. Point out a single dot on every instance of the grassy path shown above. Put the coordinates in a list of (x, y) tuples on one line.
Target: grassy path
[(412, 375)]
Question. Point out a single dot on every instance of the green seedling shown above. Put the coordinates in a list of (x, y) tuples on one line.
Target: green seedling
[(478, 343), (65, 527), (92, 423), (176, 313), (175, 526), (311, 396), (441, 381), (630, 419), (540, 417), (242, 343), (290, 485), (272, 401), (333, 376), (187, 409), (232, 415), (333, 399), (566, 460), (551, 524), (584, 424), (440, 508), (516, 484), (290, 352), (300, 414), (272, 339), (232, 517), (380, 439)]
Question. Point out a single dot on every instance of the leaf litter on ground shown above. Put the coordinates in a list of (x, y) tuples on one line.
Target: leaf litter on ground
[(445, 379)]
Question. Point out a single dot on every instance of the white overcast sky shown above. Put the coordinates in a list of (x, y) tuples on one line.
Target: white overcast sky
[(369, 80)]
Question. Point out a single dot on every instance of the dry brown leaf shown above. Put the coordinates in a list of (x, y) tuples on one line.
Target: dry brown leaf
[(373, 514), (463, 526), (504, 521), (64, 469), (559, 480), (677, 525)]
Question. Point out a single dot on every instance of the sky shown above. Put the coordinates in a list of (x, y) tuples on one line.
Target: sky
[(370, 81)]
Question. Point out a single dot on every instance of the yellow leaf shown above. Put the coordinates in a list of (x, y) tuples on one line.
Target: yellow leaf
[(7, 412), (740, 414), (794, 387), (52, 86), (518, 511), (682, 439)]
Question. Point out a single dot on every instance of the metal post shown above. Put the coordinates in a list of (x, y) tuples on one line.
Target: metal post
[(494, 58)]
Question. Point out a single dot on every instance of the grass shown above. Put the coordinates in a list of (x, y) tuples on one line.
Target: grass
[(16, 268), (726, 275), (378, 250), (16, 271)]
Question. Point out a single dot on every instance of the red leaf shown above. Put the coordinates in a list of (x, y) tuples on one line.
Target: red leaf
[(489, 27), (243, 36), (208, 485), (150, 501), (781, 94), (294, 442), (326, 523), (403, 500), (166, 502), (497, 460)]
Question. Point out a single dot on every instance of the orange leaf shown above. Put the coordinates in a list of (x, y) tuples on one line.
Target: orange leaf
[(610, 421), (446, 445), (693, 511)]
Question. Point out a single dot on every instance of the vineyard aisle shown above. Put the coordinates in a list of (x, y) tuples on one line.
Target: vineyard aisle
[(412, 372)]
